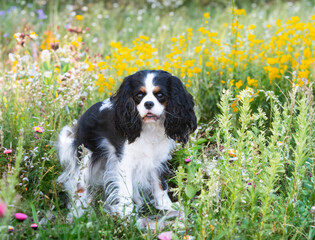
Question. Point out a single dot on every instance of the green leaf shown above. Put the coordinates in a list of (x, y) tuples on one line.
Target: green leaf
[(190, 191)]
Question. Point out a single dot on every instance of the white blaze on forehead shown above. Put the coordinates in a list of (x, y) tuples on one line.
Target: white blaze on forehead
[(149, 82)]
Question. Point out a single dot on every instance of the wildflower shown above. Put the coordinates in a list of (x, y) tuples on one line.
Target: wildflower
[(74, 30), (206, 15), (187, 160), (233, 105), (232, 153), (7, 151), (41, 14), (34, 226), (33, 36), (54, 45), (10, 229), (20, 216), (188, 237), (79, 17), (165, 236), (48, 39), (211, 227), (90, 67), (3, 209), (279, 143), (240, 12), (45, 55), (239, 84), (38, 129)]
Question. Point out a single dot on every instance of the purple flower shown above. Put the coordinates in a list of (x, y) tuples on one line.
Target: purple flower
[(41, 14), (2, 13), (187, 160), (20, 216), (3, 209)]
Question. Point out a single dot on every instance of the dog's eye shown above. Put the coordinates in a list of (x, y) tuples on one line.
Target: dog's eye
[(160, 96), (140, 95)]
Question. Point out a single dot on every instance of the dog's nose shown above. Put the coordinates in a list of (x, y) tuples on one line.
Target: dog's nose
[(148, 105)]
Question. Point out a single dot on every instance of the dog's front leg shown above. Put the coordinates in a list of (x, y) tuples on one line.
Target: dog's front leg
[(161, 198), (125, 190)]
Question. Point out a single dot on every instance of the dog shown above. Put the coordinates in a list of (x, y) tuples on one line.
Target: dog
[(122, 144)]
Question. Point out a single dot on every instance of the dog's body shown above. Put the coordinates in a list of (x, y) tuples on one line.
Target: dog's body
[(123, 143)]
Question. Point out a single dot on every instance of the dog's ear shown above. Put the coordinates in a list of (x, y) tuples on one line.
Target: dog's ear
[(127, 119), (180, 116)]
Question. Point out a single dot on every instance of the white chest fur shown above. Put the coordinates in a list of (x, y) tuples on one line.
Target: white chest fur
[(144, 157)]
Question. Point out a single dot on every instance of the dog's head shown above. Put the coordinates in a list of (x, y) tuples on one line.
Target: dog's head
[(152, 96)]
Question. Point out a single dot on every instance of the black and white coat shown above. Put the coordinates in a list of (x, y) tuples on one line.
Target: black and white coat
[(123, 143)]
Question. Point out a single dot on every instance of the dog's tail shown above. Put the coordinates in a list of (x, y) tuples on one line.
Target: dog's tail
[(67, 152)]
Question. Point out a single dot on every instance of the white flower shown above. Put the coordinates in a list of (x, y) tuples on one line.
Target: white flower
[(12, 57), (25, 58), (45, 55), (33, 36), (47, 74)]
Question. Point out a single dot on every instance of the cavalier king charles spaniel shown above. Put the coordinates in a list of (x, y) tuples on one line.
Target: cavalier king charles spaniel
[(122, 144)]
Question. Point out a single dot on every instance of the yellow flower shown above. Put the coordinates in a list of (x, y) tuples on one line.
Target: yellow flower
[(252, 82), (239, 84), (198, 49), (251, 27), (240, 12), (272, 61), (145, 38), (79, 17), (91, 67), (206, 15)]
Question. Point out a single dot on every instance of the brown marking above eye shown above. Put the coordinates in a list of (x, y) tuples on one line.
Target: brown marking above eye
[(143, 89), (156, 89)]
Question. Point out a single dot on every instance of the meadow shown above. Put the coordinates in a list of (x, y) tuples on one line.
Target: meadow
[(248, 170)]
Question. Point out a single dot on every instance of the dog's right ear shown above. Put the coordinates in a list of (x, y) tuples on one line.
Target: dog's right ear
[(127, 119)]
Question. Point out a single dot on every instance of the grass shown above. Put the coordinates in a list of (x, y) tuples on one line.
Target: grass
[(251, 75)]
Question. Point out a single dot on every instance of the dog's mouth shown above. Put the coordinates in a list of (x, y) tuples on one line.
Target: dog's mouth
[(150, 117)]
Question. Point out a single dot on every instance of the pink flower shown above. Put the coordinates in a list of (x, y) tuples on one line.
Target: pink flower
[(7, 151), (187, 160), (38, 129), (3, 209), (165, 236), (20, 216), (34, 226)]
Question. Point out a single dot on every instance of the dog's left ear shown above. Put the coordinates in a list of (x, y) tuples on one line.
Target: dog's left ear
[(180, 116)]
